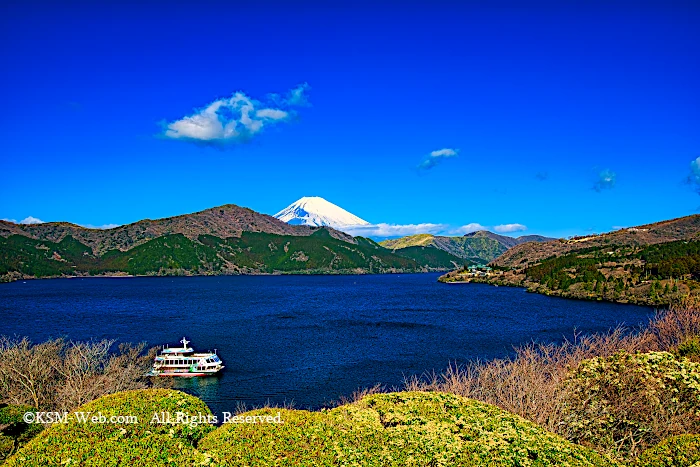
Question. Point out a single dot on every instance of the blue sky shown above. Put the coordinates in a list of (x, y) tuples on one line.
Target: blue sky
[(564, 119)]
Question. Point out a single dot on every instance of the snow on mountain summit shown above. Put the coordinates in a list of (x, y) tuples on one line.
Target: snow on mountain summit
[(316, 211)]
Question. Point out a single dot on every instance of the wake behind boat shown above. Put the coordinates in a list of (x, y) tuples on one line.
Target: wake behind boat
[(184, 362)]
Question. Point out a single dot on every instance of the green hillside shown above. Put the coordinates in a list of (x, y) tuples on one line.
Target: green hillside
[(476, 247), (482, 247), (429, 256), (252, 252), (615, 267), (654, 274), (411, 240)]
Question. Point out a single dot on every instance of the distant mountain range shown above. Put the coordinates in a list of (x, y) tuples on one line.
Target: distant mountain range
[(480, 247), (223, 240), (223, 222), (477, 247), (653, 264)]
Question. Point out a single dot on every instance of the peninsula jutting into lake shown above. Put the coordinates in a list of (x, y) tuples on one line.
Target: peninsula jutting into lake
[(654, 264)]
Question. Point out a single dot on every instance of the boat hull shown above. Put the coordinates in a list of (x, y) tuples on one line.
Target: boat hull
[(184, 374)]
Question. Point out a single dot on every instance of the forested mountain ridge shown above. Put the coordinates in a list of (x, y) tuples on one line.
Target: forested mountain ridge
[(223, 240), (223, 221), (684, 228)]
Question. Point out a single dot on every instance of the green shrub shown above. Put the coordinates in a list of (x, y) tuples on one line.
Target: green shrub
[(689, 349), (676, 451), (628, 402), (107, 444), (14, 433), (398, 429)]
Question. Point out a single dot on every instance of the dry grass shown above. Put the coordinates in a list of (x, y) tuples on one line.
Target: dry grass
[(241, 407), (671, 328), (530, 383), (526, 384)]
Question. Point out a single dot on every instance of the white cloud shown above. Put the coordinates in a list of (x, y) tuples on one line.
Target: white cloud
[(400, 230), (695, 167), (392, 230), (606, 180), (28, 220), (468, 228), (235, 119), (101, 227), (447, 152), (31, 220), (297, 97), (272, 114), (694, 178), (435, 157), (507, 228)]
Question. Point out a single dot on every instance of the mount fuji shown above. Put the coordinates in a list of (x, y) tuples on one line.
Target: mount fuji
[(316, 211)]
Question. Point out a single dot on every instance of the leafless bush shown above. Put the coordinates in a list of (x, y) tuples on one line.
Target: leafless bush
[(358, 394), (674, 326), (530, 383), (60, 375), (27, 376), (241, 407)]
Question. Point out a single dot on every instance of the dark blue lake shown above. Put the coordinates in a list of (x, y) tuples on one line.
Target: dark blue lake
[(306, 339)]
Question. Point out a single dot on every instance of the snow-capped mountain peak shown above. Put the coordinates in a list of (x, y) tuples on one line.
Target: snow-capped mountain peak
[(314, 210)]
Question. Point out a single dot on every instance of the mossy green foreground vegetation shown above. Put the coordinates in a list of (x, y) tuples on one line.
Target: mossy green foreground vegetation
[(395, 429), (14, 433), (620, 402), (410, 428), (676, 451), (103, 444)]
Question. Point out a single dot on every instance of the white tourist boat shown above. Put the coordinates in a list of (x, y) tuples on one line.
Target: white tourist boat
[(183, 361)]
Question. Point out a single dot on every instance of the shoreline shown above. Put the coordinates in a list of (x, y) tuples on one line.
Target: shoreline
[(540, 290), (276, 273), (564, 297)]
